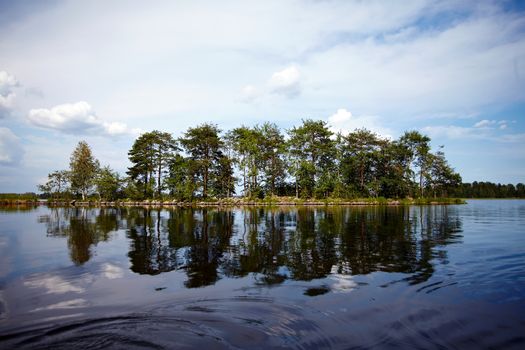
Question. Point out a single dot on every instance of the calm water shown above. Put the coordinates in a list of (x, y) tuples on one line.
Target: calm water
[(374, 277)]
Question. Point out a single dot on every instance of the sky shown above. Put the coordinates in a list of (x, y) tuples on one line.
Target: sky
[(105, 71)]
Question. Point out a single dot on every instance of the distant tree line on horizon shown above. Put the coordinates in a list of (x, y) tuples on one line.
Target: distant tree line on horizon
[(489, 190), (308, 161)]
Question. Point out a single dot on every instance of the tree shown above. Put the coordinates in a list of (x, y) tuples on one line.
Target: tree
[(57, 183), (419, 148), (180, 181), (150, 155), (441, 177), (83, 169), (203, 145), (245, 143), (394, 160), (312, 154), (141, 155), (222, 183), (360, 157), (271, 148), (108, 184)]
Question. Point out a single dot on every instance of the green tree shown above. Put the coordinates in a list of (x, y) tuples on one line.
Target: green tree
[(57, 183), (83, 168), (270, 152), (109, 184), (180, 181), (441, 177), (360, 158), (312, 153), (203, 145), (418, 146), (141, 155), (245, 143), (395, 180), (222, 183), (150, 156)]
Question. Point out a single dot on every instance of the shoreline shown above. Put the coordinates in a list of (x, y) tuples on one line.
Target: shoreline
[(241, 203)]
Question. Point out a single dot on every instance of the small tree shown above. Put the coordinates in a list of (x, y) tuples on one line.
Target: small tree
[(57, 183), (83, 168), (109, 184)]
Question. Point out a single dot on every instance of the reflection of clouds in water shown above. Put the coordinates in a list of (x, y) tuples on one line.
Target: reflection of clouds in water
[(68, 304), (111, 271), (342, 283), (53, 284), (60, 285)]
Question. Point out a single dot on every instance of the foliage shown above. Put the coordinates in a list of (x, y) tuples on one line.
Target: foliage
[(109, 184), (83, 169), (57, 184), (204, 147), (150, 157), (309, 161), (489, 190), (312, 152)]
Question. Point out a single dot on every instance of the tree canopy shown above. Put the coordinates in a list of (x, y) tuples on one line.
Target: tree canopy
[(83, 168), (307, 161)]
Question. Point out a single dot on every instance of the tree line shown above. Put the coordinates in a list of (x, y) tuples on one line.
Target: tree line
[(490, 190), (306, 161)]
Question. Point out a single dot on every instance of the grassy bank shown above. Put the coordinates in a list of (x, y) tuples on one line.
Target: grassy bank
[(273, 201), (18, 198)]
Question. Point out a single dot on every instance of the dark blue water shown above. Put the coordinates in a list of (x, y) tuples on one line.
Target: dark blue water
[(346, 277)]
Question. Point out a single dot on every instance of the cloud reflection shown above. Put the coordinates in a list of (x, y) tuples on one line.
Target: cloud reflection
[(53, 285)]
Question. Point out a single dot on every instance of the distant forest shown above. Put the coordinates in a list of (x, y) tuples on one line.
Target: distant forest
[(308, 161), (489, 190)]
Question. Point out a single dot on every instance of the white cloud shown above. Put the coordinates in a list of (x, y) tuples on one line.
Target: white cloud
[(11, 150), (480, 133), (286, 82), (7, 96), (343, 121), (491, 124), (76, 118), (249, 93), (484, 123)]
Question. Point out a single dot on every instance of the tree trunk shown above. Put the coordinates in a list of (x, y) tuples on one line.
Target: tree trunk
[(205, 184), (421, 183), (362, 177), (158, 175)]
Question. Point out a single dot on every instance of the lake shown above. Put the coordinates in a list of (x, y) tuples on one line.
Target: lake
[(428, 277)]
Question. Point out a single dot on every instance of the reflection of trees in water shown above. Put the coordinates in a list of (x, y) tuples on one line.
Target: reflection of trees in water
[(194, 240), (83, 227), (352, 241), (10, 208), (303, 243), (259, 245), (274, 244)]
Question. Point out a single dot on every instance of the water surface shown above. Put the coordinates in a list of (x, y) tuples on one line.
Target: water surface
[(342, 277)]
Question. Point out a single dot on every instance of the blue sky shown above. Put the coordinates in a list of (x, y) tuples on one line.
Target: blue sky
[(104, 71)]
